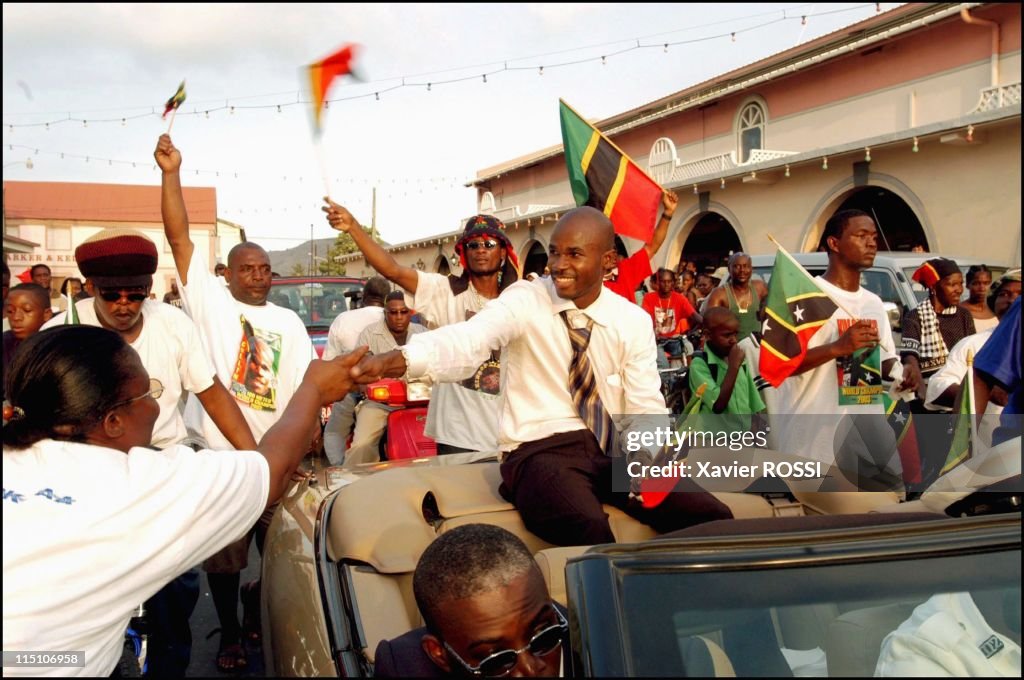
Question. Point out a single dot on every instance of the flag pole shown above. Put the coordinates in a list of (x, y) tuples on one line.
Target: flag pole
[(322, 159), (793, 260), (607, 139), (970, 396), (171, 124)]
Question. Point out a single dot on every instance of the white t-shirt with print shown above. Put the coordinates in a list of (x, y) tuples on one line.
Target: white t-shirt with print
[(463, 414), (90, 532), (816, 392), (259, 353), (172, 352)]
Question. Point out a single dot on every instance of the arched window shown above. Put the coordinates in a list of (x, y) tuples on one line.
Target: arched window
[(751, 130), (662, 162)]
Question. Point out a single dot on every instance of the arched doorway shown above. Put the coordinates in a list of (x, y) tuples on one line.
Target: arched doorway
[(536, 259), (710, 242), (898, 226), (441, 265)]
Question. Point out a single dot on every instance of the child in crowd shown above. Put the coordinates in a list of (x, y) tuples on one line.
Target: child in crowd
[(27, 308), (722, 368)]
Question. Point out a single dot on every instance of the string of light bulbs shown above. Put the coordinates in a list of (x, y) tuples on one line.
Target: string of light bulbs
[(234, 174), (410, 81)]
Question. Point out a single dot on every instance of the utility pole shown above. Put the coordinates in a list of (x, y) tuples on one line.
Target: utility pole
[(373, 216)]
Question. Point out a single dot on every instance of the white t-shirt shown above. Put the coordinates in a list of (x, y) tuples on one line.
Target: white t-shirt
[(346, 327), (260, 353), (172, 352), (816, 392), (947, 636), (91, 532), (464, 413)]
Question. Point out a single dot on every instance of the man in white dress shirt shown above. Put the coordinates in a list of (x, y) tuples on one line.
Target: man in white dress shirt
[(554, 470)]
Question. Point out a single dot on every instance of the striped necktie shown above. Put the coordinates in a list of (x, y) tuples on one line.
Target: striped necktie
[(583, 388)]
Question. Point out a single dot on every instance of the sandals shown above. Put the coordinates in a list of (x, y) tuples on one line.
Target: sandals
[(231, 656), (250, 595)]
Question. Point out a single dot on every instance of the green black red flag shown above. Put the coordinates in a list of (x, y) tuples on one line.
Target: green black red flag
[(176, 100), (796, 309), (604, 177)]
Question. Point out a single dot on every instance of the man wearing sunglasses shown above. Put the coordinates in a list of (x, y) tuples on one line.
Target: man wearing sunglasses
[(119, 265), (487, 611), (462, 416)]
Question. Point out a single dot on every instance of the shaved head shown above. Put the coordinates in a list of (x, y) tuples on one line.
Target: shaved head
[(590, 220), (247, 245), (716, 315)]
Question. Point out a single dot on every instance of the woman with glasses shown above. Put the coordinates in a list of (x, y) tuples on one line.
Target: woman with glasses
[(94, 520)]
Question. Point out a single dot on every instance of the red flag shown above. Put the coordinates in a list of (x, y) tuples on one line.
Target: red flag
[(26, 276), (323, 73)]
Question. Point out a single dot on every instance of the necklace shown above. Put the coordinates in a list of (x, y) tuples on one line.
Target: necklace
[(478, 300)]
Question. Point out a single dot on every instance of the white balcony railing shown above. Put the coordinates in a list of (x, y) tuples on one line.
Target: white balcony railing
[(997, 97), (705, 166), (762, 155)]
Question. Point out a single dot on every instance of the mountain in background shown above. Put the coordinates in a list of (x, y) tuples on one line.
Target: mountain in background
[(284, 261)]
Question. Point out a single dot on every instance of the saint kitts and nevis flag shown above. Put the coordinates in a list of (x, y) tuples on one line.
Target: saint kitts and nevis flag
[(796, 309), (604, 177)]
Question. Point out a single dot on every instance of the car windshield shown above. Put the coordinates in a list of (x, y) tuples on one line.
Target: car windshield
[(875, 617), (316, 303)]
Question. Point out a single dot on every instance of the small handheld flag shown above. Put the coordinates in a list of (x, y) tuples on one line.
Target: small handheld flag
[(604, 177), (796, 309), (71, 317), (322, 75), (174, 102)]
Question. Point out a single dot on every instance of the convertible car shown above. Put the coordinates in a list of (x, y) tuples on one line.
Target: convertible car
[(803, 582)]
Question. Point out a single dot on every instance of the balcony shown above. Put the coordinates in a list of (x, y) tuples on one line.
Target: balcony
[(723, 163), (997, 97)]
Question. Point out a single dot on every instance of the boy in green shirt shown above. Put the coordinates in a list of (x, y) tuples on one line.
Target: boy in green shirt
[(730, 387)]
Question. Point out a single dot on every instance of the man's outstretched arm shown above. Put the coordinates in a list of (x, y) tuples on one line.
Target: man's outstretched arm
[(378, 258), (172, 205)]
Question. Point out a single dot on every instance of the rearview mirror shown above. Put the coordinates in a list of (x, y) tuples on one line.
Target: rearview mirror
[(892, 311)]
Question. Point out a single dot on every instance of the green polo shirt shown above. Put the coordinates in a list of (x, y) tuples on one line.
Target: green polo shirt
[(745, 398)]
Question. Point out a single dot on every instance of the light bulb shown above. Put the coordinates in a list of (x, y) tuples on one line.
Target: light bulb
[(787, 171), (915, 145), (723, 182), (824, 163), (867, 154)]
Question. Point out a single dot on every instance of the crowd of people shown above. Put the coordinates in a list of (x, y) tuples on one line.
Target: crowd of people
[(173, 427)]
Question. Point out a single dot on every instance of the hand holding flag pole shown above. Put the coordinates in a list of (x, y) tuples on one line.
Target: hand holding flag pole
[(173, 103)]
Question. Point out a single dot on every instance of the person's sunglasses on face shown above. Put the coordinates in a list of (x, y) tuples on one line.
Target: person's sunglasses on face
[(130, 294), (489, 244), (502, 662)]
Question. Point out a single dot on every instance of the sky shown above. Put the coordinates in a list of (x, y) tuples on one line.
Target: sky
[(114, 65)]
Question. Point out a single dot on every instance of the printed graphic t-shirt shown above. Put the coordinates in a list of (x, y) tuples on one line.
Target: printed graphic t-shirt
[(260, 353), (463, 414)]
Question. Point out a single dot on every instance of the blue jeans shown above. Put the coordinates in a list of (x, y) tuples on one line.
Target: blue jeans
[(169, 646)]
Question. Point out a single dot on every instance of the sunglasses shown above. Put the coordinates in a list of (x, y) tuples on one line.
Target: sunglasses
[(489, 244), (115, 295), (503, 662), (156, 389)]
